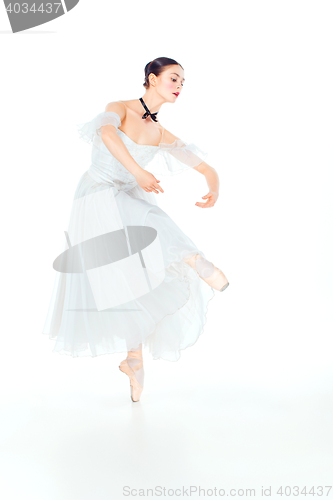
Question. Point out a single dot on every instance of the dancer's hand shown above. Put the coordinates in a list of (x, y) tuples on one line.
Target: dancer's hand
[(211, 200), (147, 181)]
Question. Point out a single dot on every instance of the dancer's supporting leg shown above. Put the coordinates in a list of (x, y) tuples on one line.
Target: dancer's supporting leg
[(133, 367)]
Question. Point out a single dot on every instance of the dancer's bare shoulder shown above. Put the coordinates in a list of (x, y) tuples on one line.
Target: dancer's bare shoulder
[(117, 107), (168, 137)]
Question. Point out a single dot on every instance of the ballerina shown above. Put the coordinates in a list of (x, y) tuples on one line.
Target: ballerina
[(129, 276)]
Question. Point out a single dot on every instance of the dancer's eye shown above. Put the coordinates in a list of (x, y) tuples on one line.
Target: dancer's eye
[(174, 80)]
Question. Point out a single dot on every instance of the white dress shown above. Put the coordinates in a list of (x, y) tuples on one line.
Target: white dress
[(121, 280)]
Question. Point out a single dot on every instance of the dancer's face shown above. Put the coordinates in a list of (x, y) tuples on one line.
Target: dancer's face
[(169, 82)]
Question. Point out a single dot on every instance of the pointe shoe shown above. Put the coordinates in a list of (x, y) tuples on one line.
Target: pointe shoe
[(212, 275), (133, 367)]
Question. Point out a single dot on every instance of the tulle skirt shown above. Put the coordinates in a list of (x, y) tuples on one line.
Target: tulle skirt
[(121, 280)]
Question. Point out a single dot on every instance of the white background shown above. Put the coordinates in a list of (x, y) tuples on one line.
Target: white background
[(250, 404)]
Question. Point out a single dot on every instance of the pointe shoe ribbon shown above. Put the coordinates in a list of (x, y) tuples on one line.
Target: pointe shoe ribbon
[(133, 367), (206, 270)]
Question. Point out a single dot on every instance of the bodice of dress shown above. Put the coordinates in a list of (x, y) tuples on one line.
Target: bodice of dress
[(164, 159), (106, 168)]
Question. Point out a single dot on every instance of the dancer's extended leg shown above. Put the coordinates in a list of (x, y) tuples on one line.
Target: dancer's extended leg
[(212, 275)]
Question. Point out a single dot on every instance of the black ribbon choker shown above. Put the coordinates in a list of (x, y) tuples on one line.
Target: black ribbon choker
[(153, 115)]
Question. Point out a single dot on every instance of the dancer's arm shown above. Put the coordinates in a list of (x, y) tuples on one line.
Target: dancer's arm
[(117, 148), (209, 172)]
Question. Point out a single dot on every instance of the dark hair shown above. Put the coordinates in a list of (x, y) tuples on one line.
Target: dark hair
[(157, 66)]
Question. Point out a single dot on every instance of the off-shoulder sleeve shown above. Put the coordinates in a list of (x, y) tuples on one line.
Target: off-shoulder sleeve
[(88, 130), (176, 158)]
